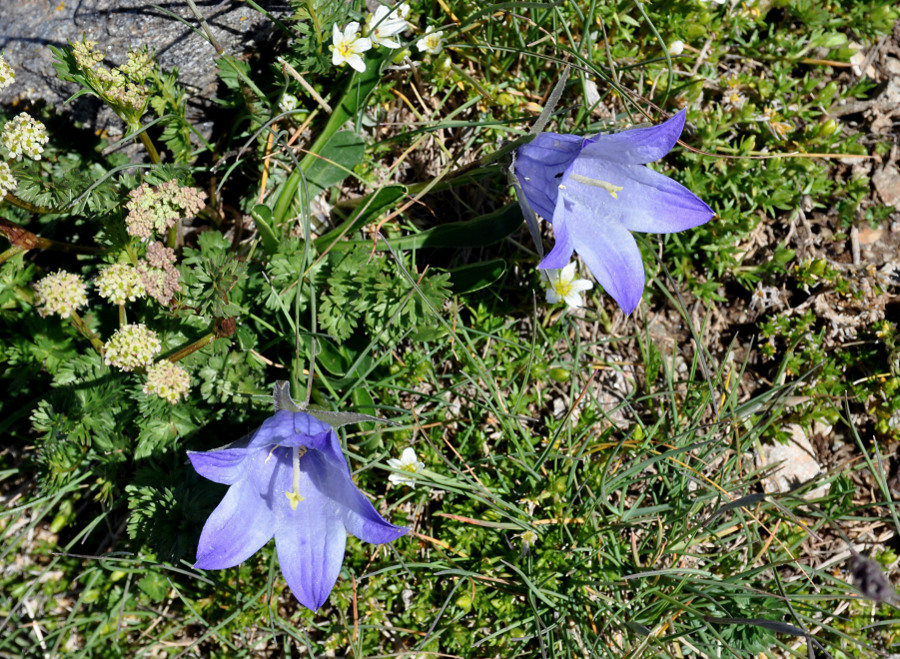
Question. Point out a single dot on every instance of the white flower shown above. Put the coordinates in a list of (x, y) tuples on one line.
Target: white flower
[(347, 47), (408, 462), (7, 180), (431, 42), (7, 75), (288, 102), (24, 135), (718, 2), (675, 48), (385, 24), (733, 100), (563, 286)]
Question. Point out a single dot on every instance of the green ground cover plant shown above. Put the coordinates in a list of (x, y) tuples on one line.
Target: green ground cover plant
[(347, 243)]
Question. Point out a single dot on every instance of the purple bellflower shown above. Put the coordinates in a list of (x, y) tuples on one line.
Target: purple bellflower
[(288, 479), (597, 190)]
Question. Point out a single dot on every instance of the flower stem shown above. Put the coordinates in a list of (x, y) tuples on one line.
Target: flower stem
[(25, 240), (11, 252), (32, 208), (86, 332), (194, 347), (151, 148)]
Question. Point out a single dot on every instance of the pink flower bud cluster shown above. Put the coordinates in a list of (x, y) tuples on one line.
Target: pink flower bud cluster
[(156, 209), (169, 381), (159, 274)]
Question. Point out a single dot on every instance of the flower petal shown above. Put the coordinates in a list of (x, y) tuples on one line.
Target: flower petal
[(286, 428), (351, 31), (239, 526), (222, 466), (644, 200), (637, 146), (356, 512), (540, 165), (561, 253), (665, 206), (607, 248), (310, 539), (356, 62)]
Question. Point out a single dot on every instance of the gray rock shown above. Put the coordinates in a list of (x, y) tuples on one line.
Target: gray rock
[(29, 26)]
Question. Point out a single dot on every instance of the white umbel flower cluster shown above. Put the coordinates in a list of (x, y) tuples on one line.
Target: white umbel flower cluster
[(60, 293), (133, 346), (24, 135), (8, 182), (120, 283), (7, 75)]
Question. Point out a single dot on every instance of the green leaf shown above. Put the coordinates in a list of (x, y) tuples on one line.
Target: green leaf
[(262, 215), (368, 209), (351, 104), (476, 276), (154, 586), (480, 232), (340, 154)]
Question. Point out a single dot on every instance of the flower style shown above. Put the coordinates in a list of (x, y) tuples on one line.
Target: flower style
[(596, 190), (60, 293), (347, 47), (563, 286), (408, 462), (385, 23), (431, 42), (288, 479), (8, 182), (133, 346), (7, 74), (168, 381)]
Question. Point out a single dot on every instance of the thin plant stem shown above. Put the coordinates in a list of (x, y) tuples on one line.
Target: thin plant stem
[(86, 331), (151, 148), (194, 347), (32, 208)]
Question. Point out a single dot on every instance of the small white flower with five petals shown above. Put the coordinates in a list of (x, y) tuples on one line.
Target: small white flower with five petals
[(408, 462), (564, 287), (431, 42), (347, 47), (386, 23)]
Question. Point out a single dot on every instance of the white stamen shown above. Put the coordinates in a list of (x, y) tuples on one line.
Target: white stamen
[(597, 183)]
